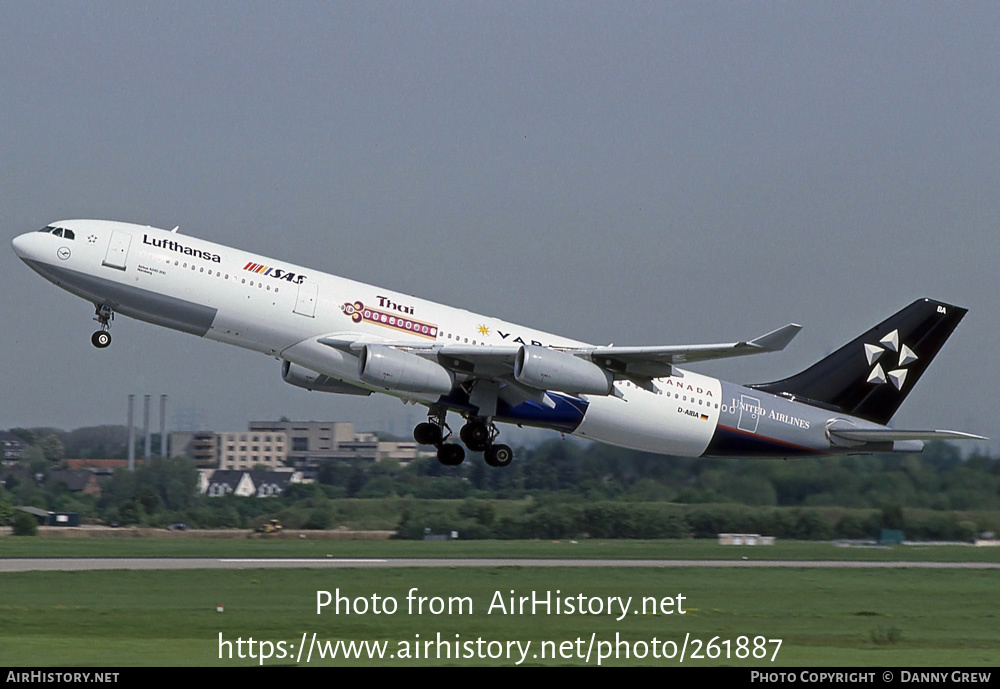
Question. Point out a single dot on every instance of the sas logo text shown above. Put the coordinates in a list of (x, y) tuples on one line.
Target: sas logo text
[(276, 273)]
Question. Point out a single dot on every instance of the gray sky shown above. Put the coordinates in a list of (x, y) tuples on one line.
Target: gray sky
[(636, 173)]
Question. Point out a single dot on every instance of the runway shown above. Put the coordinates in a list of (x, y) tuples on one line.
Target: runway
[(81, 564)]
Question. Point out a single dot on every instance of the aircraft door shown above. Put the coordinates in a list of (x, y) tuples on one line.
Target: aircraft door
[(750, 410), (305, 302), (117, 250)]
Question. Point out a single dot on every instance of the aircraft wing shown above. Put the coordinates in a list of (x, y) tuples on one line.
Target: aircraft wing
[(638, 364), (642, 362), (479, 361), (654, 362), (485, 362)]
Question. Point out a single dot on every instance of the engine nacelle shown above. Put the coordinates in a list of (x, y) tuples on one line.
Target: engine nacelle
[(547, 369), (303, 377), (393, 369)]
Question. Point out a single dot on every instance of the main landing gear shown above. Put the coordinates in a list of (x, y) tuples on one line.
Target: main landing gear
[(102, 338), (478, 435)]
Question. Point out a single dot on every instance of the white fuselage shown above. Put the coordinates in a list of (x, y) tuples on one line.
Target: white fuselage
[(283, 310)]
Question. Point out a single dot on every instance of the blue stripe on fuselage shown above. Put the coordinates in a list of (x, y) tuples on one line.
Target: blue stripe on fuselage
[(566, 416), (732, 442)]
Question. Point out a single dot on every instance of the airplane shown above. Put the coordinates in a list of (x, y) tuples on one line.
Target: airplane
[(337, 335)]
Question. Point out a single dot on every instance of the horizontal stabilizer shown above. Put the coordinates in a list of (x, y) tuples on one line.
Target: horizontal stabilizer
[(884, 435)]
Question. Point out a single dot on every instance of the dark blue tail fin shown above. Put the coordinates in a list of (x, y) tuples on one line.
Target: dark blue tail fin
[(872, 375)]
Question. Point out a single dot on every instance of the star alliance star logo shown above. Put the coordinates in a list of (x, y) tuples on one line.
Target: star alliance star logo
[(874, 352)]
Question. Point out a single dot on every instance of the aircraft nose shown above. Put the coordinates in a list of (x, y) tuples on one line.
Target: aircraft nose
[(20, 244)]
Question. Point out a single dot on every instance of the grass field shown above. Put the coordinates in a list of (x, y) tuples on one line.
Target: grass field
[(823, 617)]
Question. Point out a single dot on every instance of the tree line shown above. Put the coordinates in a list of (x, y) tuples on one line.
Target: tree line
[(558, 489)]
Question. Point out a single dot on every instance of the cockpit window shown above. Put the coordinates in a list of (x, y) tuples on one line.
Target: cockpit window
[(59, 232)]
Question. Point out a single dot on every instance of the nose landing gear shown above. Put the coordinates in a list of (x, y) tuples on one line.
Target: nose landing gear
[(102, 338)]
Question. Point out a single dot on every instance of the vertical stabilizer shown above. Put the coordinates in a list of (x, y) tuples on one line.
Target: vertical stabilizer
[(871, 376)]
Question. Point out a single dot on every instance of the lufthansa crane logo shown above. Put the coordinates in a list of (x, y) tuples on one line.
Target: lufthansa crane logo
[(897, 374)]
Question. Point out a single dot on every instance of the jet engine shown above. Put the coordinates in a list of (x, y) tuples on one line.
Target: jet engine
[(547, 369), (302, 377), (393, 369)]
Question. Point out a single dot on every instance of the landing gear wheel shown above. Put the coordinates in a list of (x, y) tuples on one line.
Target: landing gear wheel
[(498, 455), (427, 433), (451, 455), (476, 436), (103, 314)]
